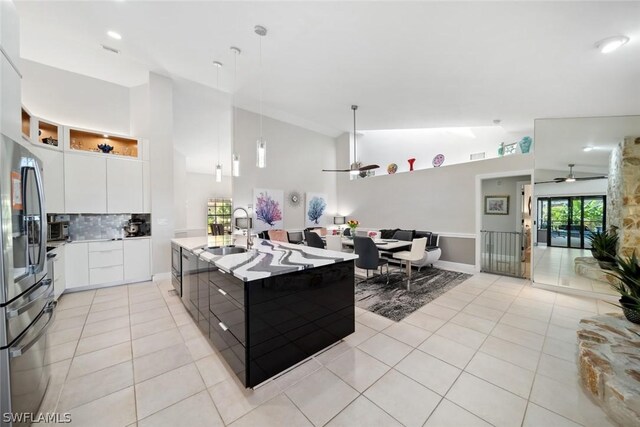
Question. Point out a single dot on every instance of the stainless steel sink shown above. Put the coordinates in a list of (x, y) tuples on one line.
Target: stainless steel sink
[(225, 250)]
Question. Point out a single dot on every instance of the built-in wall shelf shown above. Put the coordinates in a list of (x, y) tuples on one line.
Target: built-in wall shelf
[(82, 140), (26, 124), (48, 134)]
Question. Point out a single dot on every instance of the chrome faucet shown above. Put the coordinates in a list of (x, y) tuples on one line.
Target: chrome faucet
[(248, 229)]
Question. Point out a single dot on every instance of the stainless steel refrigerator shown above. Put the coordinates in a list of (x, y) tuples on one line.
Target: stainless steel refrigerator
[(26, 292)]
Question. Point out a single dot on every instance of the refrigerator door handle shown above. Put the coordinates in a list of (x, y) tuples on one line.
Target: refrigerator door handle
[(42, 259), (32, 298), (16, 351)]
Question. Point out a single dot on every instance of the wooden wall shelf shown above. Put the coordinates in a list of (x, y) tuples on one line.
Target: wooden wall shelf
[(26, 123), (89, 141), (48, 134)]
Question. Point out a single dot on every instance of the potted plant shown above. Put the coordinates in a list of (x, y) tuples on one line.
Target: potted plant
[(627, 271), (353, 224), (603, 248)]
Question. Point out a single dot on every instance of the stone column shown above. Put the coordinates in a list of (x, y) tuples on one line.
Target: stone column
[(623, 195)]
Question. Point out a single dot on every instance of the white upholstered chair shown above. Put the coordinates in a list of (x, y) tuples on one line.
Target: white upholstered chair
[(334, 242), (415, 254)]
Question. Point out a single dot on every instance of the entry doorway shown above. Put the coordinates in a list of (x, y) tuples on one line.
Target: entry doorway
[(569, 221)]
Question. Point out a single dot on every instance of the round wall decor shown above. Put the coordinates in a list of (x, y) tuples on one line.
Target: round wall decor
[(294, 199), (438, 160)]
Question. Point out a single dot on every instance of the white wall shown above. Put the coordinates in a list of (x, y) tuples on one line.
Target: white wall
[(457, 144), (438, 199), (503, 187), (295, 159), (73, 99), (199, 112)]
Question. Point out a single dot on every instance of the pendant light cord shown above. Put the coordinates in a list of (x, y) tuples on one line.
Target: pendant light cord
[(260, 82), (355, 137), (218, 121)]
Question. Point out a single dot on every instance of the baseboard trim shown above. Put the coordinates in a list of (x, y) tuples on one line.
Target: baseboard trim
[(577, 292), (104, 285), (456, 266), (161, 276)]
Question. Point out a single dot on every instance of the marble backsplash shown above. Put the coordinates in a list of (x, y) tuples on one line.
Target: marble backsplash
[(100, 226)]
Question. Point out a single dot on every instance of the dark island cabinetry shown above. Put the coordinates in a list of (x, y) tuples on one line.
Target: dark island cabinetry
[(264, 326)]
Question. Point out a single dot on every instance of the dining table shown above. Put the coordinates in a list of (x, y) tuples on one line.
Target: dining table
[(383, 245)]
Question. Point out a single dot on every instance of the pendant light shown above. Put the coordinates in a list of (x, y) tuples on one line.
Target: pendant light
[(235, 159), (261, 143), (218, 65)]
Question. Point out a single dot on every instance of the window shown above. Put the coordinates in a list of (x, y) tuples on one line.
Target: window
[(219, 217)]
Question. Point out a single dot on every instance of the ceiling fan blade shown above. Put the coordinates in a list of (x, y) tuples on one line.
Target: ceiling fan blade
[(336, 170), (589, 178), (547, 182), (368, 167)]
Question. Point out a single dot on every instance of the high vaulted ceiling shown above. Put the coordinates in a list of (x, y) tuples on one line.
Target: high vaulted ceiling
[(407, 64)]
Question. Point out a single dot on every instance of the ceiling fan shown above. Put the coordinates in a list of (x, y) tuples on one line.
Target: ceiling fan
[(356, 168), (571, 177)]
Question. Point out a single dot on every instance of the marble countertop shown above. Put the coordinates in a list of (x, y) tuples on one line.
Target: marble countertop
[(267, 258), (191, 243)]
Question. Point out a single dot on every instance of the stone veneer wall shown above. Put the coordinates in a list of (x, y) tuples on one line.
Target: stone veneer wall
[(623, 195)]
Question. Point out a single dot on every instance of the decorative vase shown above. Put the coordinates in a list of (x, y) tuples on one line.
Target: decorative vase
[(501, 149), (411, 161), (392, 168), (525, 144), (353, 231), (631, 314)]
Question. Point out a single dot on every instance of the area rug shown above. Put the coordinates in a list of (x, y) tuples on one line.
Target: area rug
[(394, 302)]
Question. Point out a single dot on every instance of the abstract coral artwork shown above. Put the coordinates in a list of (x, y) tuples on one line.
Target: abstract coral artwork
[(268, 207), (315, 209)]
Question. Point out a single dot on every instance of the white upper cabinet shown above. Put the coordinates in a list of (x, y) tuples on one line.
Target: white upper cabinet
[(53, 178), (85, 183), (124, 186)]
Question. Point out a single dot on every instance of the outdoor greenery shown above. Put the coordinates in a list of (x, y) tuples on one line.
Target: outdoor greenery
[(593, 213)]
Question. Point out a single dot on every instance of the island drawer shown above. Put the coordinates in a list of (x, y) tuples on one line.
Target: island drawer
[(228, 311), (228, 345), (230, 285)]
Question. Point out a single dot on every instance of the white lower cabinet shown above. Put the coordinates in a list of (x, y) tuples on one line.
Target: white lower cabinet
[(103, 275), (59, 280), (76, 264), (107, 263), (137, 260)]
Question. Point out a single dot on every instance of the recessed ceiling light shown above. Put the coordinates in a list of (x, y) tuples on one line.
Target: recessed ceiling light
[(217, 64), (610, 44), (114, 35), (587, 149), (104, 135)]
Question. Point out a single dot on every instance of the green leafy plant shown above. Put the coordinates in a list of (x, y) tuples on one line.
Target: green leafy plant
[(627, 271), (604, 245)]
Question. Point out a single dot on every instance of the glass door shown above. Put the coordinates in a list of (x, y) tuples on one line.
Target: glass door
[(576, 229), (568, 222), (559, 222), (594, 217)]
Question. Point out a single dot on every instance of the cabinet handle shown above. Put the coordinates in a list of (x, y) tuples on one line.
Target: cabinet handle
[(221, 291), (185, 257), (221, 272), (223, 326)]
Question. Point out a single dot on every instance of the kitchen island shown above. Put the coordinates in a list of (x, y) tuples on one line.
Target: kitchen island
[(271, 307)]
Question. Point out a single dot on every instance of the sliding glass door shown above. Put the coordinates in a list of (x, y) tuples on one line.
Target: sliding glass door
[(570, 221)]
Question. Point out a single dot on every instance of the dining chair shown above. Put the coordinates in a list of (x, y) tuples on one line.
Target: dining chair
[(415, 254), (313, 240), (279, 236), (368, 256), (334, 242)]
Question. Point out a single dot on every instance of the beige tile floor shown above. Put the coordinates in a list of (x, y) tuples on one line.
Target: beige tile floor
[(555, 266), (492, 351)]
